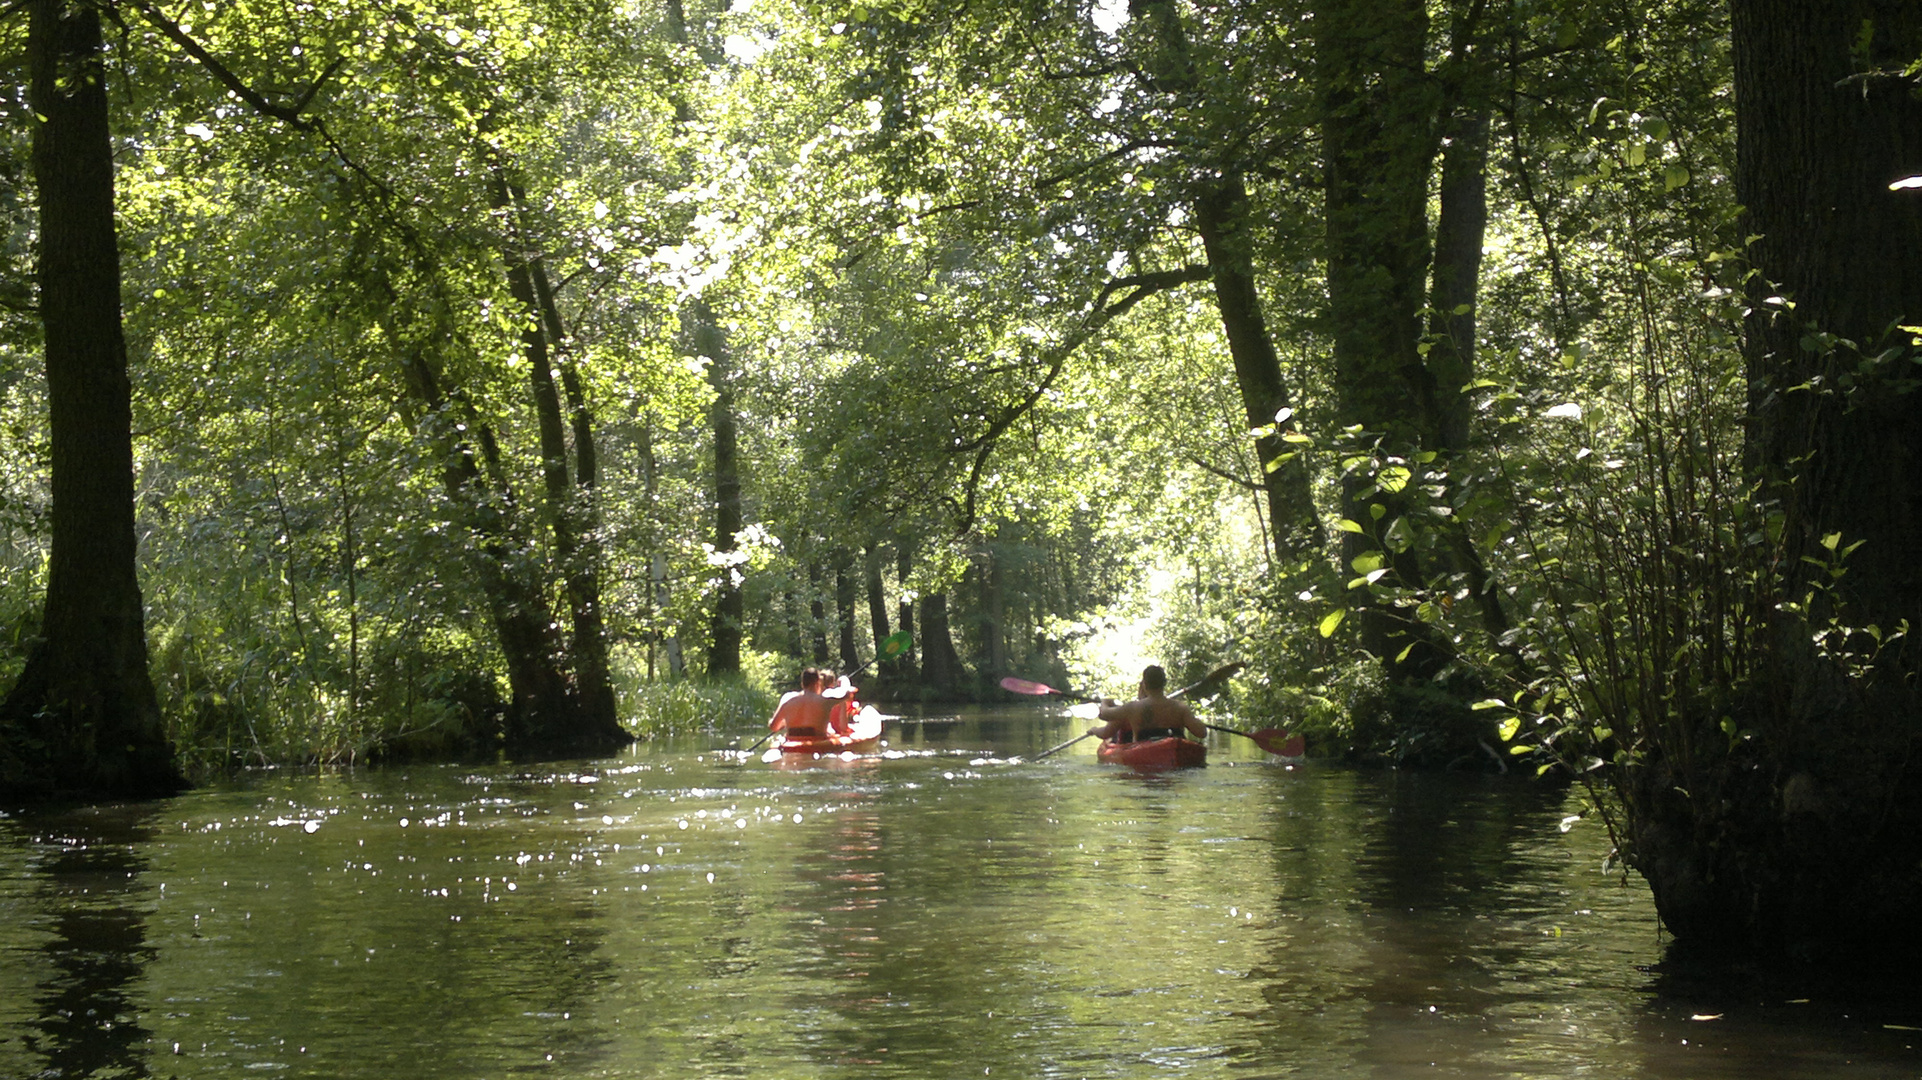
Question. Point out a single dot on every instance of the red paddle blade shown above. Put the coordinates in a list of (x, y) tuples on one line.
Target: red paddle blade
[(1279, 742), (1023, 686)]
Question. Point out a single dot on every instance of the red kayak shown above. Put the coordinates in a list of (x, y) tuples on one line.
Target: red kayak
[(1167, 753), (863, 734)]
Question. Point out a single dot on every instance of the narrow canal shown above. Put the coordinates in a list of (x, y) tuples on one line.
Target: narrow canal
[(942, 911)]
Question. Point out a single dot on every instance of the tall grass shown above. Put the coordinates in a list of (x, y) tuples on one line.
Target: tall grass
[(682, 706)]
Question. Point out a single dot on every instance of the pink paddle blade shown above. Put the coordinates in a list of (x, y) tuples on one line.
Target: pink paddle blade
[(1279, 742), (1023, 686)]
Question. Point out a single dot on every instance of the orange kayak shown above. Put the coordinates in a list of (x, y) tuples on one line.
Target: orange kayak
[(863, 734), (1167, 753)]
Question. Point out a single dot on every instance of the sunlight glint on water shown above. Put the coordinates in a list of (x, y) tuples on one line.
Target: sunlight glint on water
[(682, 913)]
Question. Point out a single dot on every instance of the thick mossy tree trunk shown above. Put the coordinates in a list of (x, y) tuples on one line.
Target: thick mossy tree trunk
[(1379, 110), (83, 719), (1809, 846)]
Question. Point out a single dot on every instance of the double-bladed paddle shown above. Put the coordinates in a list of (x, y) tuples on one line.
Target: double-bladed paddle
[(1206, 684)]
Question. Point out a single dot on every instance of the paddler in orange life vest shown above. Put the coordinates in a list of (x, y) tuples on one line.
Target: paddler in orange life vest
[(1151, 715), (806, 713)]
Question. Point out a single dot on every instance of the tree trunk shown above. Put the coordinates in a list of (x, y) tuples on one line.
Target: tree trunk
[(994, 618), (904, 668), (1377, 147), (593, 722), (941, 667), (730, 608), (83, 718), (845, 590), (877, 600), (1809, 846), (817, 613), (1221, 217), (485, 507), (1460, 230)]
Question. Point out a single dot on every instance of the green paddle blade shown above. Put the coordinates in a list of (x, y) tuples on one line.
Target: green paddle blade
[(897, 643)]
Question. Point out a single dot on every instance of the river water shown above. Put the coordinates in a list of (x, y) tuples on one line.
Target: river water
[(942, 911)]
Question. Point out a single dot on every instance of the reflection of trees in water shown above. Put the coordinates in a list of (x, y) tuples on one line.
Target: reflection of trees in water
[(847, 874), (1410, 902), (93, 889)]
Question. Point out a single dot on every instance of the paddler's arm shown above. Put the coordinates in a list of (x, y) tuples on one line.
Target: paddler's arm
[(1115, 719)]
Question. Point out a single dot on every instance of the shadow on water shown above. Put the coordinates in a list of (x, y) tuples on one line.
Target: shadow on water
[(948, 910), (91, 881)]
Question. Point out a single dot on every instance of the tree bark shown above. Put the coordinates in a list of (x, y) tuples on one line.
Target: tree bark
[(1221, 218), (730, 608), (83, 718), (845, 589), (1805, 842), (594, 720), (1378, 112), (941, 668)]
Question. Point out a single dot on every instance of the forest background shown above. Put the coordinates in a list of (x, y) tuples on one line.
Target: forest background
[(1510, 384)]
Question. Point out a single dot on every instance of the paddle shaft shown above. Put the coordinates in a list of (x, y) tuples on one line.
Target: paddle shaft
[(1210, 677), (1063, 746)]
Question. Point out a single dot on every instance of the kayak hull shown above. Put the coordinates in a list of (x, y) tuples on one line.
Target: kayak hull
[(863, 735), (1150, 754)]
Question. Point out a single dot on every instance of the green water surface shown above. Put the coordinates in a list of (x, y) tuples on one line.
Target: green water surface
[(942, 911)]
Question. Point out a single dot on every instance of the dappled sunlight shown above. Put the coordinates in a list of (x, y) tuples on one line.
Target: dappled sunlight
[(945, 909)]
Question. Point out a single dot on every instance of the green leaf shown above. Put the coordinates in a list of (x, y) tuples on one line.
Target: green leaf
[(1368, 560), (1676, 176), (1332, 620), (1345, 525), (1510, 728)]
